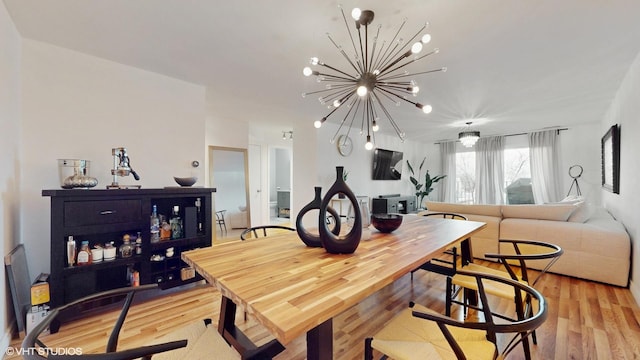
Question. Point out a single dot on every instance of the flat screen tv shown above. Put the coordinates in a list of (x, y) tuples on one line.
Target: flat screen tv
[(387, 164)]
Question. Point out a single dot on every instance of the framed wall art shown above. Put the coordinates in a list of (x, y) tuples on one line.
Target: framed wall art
[(611, 159)]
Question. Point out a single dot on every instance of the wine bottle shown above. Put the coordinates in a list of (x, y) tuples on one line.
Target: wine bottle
[(176, 223), (155, 225)]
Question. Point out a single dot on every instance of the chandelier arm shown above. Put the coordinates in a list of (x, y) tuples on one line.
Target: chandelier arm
[(387, 53), (361, 54), (399, 76), (316, 92), (398, 96), (343, 53), (380, 54), (390, 55), (337, 94), (373, 50), (405, 55), (346, 24), (333, 139), (348, 78), (397, 86), (390, 118)]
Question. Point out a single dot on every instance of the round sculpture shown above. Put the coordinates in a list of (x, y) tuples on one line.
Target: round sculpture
[(340, 244), (308, 238)]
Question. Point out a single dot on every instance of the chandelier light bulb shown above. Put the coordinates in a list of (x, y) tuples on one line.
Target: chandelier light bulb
[(336, 103), (375, 126), (415, 90), (362, 90), (355, 14), (376, 72), (426, 38), (416, 48), (369, 144), (307, 71), (427, 109), (314, 61), (317, 124)]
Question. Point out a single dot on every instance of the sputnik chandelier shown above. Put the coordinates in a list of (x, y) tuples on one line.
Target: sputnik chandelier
[(376, 77)]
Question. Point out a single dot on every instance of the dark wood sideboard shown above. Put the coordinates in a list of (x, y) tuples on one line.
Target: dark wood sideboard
[(103, 216)]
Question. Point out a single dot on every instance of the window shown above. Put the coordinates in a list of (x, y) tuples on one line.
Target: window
[(517, 173), (465, 177), (517, 176)]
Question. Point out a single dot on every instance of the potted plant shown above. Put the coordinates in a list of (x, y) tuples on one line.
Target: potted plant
[(423, 189)]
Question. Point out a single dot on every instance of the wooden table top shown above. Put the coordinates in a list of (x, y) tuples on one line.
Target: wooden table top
[(291, 288)]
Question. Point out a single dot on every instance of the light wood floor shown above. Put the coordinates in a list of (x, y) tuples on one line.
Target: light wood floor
[(586, 320)]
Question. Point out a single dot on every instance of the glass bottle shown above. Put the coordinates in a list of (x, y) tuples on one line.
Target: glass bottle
[(126, 249), (139, 244), (71, 251), (155, 225), (199, 215), (165, 230), (84, 255), (176, 223)]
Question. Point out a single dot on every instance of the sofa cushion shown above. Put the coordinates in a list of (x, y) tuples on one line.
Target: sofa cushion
[(557, 212), (582, 213), (487, 210)]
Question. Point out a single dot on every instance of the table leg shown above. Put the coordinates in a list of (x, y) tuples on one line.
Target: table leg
[(236, 338), (320, 341)]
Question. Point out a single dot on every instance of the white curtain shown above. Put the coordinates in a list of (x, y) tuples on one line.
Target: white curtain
[(490, 170), (544, 155), (448, 161)]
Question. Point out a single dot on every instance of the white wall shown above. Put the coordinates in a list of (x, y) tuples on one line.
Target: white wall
[(359, 164), (625, 111), (80, 106), (580, 145), (10, 157)]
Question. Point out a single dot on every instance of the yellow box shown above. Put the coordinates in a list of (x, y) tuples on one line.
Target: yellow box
[(40, 290)]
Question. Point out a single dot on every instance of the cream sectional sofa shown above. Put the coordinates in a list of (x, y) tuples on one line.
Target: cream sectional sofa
[(596, 246)]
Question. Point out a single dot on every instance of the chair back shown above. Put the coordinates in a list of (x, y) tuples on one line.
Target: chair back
[(525, 251), (446, 215), (34, 349), (494, 322), (264, 231)]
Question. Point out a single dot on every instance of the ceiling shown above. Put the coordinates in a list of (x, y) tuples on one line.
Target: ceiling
[(518, 65)]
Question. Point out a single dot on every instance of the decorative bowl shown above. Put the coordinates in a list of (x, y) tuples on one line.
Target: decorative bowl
[(386, 223), (185, 181)]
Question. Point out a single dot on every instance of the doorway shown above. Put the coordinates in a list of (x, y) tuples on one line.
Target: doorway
[(280, 162), (228, 174)]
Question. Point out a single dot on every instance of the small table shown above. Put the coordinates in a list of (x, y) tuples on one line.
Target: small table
[(293, 289)]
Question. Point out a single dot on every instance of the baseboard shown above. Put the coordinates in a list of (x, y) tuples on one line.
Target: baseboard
[(635, 291), (8, 336)]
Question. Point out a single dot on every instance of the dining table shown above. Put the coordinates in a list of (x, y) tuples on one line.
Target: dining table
[(292, 289)]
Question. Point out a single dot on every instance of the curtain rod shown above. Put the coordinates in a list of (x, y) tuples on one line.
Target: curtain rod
[(523, 133)]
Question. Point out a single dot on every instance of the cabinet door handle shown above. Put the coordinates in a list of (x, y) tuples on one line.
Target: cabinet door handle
[(107, 212)]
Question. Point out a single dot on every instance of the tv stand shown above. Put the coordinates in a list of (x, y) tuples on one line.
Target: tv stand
[(393, 204)]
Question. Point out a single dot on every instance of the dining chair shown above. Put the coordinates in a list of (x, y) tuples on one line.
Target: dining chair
[(220, 221), (421, 333), (264, 230), (448, 267), (183, 342)]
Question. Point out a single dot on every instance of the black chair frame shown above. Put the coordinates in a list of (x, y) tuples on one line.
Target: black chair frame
[(521, 326), (264, 228), (31, 341)]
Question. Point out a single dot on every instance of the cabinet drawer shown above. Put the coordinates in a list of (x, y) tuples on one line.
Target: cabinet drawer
[(81, 213)]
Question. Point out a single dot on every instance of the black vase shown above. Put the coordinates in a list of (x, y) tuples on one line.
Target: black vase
[(308, 238), (340, 244)]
